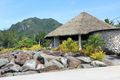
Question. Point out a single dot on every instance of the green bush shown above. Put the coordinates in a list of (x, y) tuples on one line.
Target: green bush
[(35, 47), (98, 55), (6, 50), (25, 43), (88, 50), (95, 41), (92, 47), (69, 46)]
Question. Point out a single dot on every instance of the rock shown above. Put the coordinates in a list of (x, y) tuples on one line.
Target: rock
[(97, 63), (25, 73), (68, 54), (29, 65), (108, 62), (7, 74), (16, 52), (21, 58), (50, 68), (40, 60), (47, 56), (5, 55), (54, 62), (84, 59), (63, 60), (11, 67), (86, 66), (54, 53), (3, 62), (73, 62), (112, 60), (115, 62), (40, 66), (37, 54)]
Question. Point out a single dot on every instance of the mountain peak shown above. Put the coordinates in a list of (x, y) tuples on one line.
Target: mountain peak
[(35, 25)]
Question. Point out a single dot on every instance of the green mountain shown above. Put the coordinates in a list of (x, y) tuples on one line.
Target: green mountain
[(35, 25)]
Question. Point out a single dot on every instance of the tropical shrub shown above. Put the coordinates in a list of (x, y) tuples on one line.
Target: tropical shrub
[(25, 43), (6, 50), (98, 55), (36, 47), (95, 41), (88, 50), (69, 46), (92, 47), (24, 48)]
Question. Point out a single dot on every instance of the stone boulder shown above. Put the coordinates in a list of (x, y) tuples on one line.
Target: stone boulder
[(40, 66), (54, 62), (54, 53), (64, 61), (37, 54), (10, 67), (3, 62), (50, 68), (7, 75), (97, 63), (49, 56), (46, 56), (86, 66), (73, 62), (20, 59), (84, 59), (112, 60), (29, 65)]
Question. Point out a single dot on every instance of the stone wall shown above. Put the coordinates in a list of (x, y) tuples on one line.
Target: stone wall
[(112, 40)]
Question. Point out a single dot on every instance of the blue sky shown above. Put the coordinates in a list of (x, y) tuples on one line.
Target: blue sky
[(12, 11)]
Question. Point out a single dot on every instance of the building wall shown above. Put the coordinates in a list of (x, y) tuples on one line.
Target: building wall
[(112, 40)]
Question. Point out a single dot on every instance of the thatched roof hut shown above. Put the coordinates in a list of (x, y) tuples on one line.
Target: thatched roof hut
[(81, 24)]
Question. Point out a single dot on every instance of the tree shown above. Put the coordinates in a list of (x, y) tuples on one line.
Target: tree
[(8, 38), (40, 39), (109, 21), (25, 42), (118, 24)]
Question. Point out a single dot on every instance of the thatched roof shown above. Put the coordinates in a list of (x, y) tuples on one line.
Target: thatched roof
[(81, 24)]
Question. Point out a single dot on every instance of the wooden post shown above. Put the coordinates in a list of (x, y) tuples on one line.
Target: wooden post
[(79, 40), (56, 42)]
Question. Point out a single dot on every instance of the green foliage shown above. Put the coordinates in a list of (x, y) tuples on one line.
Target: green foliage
[(94, 41), (40, 38), (69, 46), (98, 55), (116, 22), (8, 39), (25, 43), (118, 25), (6, 50), (109, 21), (93, 46), (31, 28), (88, 50), (35, 47)]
